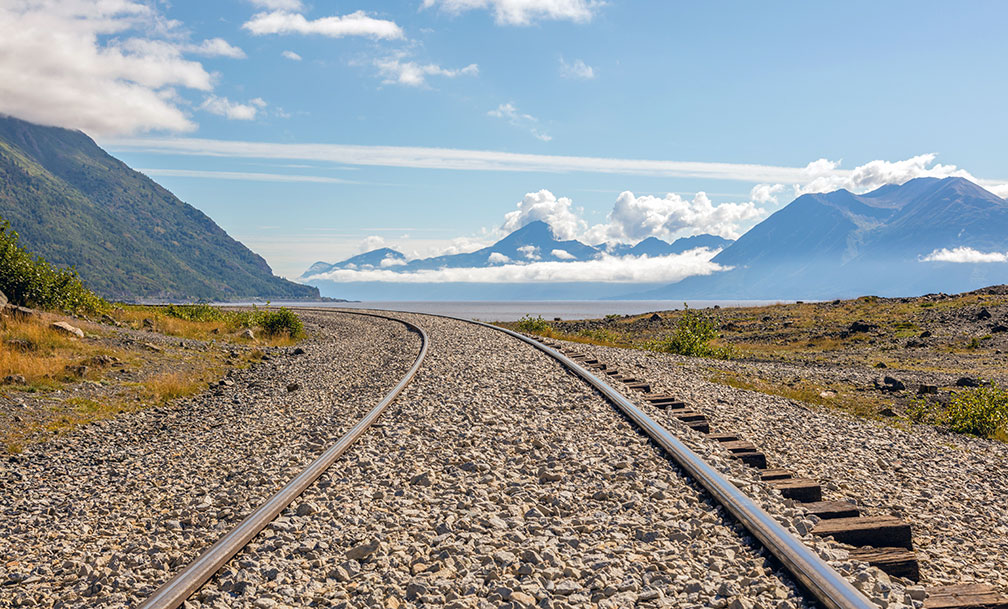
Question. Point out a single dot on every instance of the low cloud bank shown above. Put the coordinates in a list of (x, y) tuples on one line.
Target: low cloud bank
[(964, 255), (608, 269)]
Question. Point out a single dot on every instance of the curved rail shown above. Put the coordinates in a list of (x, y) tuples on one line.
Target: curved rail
[(187, 581), (829, 587)]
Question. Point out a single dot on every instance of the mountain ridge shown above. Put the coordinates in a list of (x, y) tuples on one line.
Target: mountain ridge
[(128, 237)]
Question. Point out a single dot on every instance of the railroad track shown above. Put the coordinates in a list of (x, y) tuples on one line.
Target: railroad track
[(825, 585)]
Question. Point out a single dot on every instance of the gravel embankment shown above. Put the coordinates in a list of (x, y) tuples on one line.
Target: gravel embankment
[(950, 487), (103, 515), (499, 480)]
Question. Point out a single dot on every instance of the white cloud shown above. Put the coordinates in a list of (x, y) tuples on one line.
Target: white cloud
[(524, 12), (964, 255), (216, 47), (354, 24), (397, 71), (562, 254), (545, 206), (824, 175), (530, 252), (109, 67), (390, 261), (634, 218), (222, 106), (518, 119), (371, 242), (497, 258), (608, 269), (766, 193), (578, 69), (241, 176), (291, 55)]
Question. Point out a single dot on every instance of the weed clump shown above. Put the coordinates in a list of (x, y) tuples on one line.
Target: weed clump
[(693, 336), (31, 281), (534, 325), (282, 322), (982, 411)]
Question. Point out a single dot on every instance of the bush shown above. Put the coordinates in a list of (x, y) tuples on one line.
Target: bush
[(534, 325), (195, 312), (281, 322), (693, 336), (30, 281), (982, 411)]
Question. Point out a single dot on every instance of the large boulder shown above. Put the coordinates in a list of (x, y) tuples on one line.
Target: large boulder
[(65, 328)]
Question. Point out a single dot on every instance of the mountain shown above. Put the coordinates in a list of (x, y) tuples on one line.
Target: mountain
[(653, 246), (128, 237), (840, 244)]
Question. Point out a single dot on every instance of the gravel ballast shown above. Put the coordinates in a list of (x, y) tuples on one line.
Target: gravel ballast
[(103, 515), (950, 487)]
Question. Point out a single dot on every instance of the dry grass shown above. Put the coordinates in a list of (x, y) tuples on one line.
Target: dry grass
[(167, 386), (803, 390)]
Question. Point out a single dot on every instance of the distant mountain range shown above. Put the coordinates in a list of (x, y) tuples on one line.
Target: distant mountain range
[(820, 246), (840, 244), (534, 242), (128, 237)]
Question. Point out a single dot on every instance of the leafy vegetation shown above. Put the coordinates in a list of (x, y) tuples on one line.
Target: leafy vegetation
[(981, 411), (534, 325), (128, 237), (694, 334), (29, 280)]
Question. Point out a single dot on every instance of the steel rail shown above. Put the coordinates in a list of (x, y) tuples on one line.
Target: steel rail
[(829, 587), (190, 579)]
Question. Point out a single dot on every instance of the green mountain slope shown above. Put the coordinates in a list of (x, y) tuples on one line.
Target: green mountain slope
[(128, 237)]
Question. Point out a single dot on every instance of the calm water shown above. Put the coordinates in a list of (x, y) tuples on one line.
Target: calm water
[(548, 309)]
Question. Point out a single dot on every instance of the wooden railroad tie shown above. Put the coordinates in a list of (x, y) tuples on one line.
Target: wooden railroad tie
[(723, 437), (875, 531), (974, 596), (752, 458), (832, 509), (768, 475), (645, 387), (799, 489), (699, 426), (899, 562)]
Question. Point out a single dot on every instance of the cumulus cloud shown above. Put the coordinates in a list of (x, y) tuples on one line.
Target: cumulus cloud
[(354, 24), (371, 242), (291, 55), (544, 205), (578, 69), (216, 47), (634, 218), (524, 12), (222, 106), (766, 193), (498, 258), (609, 269), (824, 175), (390, 261), (964, 255), (530, 252), (562, 254), (518, 119), (110, 67), (396, 70)]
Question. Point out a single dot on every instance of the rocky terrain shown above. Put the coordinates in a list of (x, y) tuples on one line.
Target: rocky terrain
[(495, 480), (870, 355)]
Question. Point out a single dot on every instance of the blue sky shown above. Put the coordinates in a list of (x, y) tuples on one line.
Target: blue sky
[(245, 109)]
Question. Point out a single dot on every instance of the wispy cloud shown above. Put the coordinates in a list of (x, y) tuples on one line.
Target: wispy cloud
[(520, 120), (964, 255), (524, 12), (291, 55), (222, 106), (216, 47), (354, 24), (578, 69), (665, 269), (241, 175), (461, 159), (395, 70)]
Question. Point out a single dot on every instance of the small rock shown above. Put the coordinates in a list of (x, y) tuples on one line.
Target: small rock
[(521, 599), (364, 550), (148, 324), (881, 365), (307, 509), (999, 328), (3, 300), (247, 333), (655, 317), (153, 347), (861, 326), (967, 381), (15, 379), (887, 412), (291, 387), (927, 389), (423, 479), (983, 314), (926, 334), (65, 328), (298, 351)]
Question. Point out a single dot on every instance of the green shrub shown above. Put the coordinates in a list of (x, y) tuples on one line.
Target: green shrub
[(281, 322), (195, 312), (982, 411), (30, 281), (693, 336), (534, 325)]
